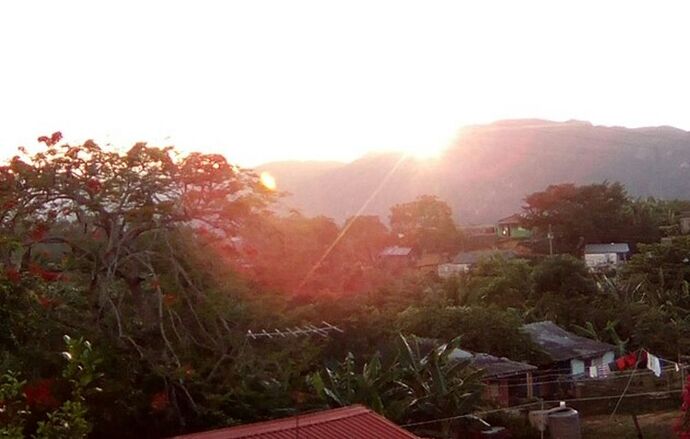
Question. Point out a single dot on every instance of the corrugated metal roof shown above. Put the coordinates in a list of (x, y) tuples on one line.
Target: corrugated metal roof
[(613, 247), (430, 259), (355, 421), (561, 345), (396, 251), (493, 367), (512, 219)]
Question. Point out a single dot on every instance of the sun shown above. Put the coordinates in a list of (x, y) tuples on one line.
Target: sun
[(428, 141), (268, 181), (423, 152)]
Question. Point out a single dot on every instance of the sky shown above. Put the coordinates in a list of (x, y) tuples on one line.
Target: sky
[(323, 80)]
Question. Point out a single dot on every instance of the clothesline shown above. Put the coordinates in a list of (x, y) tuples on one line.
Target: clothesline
[(616, 375), (555, 401)]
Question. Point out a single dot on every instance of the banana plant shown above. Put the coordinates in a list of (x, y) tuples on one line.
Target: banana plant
[(438, 384), (415, 386)]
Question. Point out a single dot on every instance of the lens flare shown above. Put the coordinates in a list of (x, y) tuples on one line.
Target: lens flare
[(268, 181)]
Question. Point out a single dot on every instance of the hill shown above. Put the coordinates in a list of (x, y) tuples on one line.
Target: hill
[(487, 172)]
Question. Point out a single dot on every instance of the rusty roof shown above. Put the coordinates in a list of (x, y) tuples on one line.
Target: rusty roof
[(355, 421)]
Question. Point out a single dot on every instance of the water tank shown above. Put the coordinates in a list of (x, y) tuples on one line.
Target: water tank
[(564, 424)]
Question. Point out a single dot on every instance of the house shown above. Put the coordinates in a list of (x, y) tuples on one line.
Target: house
[(684, 223), (397, 258), (507, 382), (567, 351), (464, 261), (355, 421), (510, 227), (598, 256), (477, 237), (429, 262)]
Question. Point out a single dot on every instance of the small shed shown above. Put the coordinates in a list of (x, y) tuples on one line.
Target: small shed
[(429, 262), (397, 256), (355, 421), (506, 381), (566, 350), (599, 256)]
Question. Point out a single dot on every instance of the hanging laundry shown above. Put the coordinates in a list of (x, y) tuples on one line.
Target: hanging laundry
[(593, 372), (603, 371), (629, 361), (654, 364)]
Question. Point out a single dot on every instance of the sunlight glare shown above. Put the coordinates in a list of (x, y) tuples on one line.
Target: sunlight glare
[(268, 181)]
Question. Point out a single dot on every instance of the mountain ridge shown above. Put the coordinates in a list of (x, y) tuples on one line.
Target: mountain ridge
[(486, 173)]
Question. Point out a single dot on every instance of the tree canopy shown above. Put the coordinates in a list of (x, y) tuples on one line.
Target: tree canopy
[(426, 223)]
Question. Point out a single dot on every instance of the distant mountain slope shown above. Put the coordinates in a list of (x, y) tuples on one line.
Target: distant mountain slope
[(489, 170)]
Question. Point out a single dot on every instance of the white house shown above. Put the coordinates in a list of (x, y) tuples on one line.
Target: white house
[(599, 256)]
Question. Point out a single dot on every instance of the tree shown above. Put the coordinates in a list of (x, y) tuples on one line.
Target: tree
[(481, 328), (426, 224), (563, 274), (128, 232), (662, 268), (584, 214), (363, 237), (501, 282)]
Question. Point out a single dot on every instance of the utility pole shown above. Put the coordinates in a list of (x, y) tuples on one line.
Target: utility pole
[(549, 236)]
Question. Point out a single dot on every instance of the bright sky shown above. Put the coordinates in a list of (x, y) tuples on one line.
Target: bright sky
[(272, 80)]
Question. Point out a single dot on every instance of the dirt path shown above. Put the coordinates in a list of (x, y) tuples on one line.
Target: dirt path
[(653, 425)]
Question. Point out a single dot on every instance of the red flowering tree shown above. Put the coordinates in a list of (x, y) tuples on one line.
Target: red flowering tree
[(117, 227)]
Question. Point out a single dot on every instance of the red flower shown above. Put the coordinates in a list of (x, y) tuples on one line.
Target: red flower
[(38, 232), (93, 186), (160, 401), (39, 394), (13, 275), (50, 276), (169, 299)]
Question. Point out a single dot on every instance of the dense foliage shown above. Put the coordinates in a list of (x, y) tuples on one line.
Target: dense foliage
[(165, 262)]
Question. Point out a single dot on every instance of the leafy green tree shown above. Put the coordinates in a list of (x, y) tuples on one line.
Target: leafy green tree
[(364, 237), (122, 248), (663, 269), (13, 409), (481, 328), (426, 224), (501, 282), (564, 275), (586, 214)]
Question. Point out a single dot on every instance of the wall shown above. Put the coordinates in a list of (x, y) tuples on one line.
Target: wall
[(601, 259)]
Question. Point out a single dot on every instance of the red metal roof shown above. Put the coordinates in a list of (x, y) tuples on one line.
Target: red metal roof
[(353, 422)]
